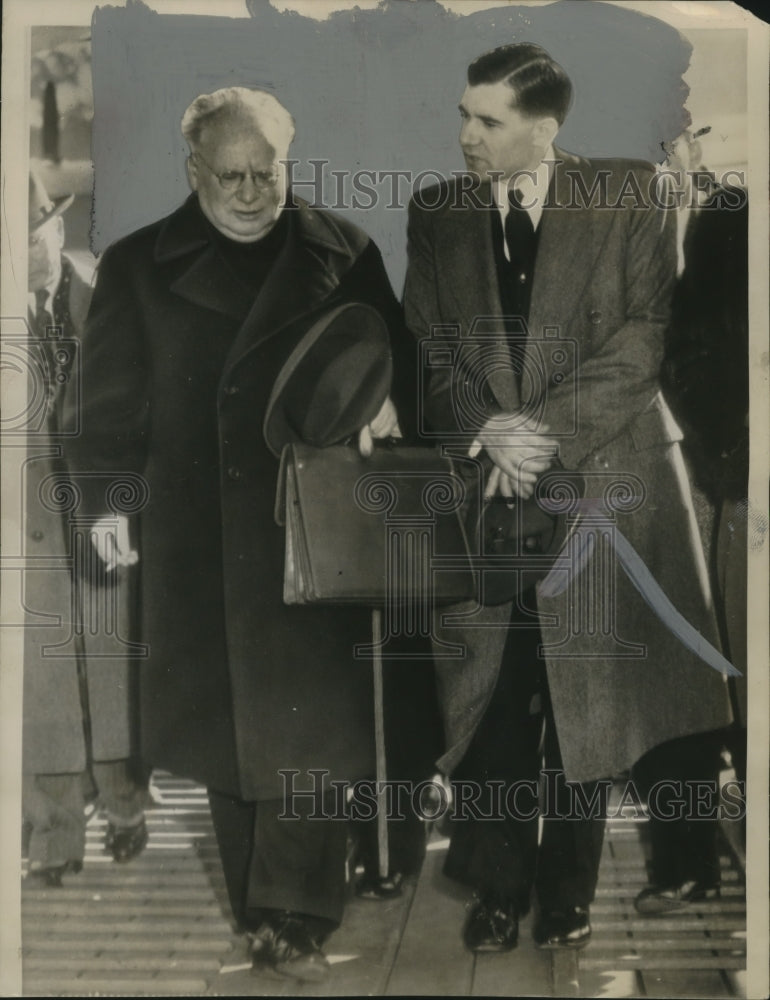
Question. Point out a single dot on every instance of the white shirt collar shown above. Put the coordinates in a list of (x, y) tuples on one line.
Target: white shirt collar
[(533, 186)]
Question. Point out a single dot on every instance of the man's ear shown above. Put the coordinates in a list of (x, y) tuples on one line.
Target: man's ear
[(545, 132), (60, 231), (192, 172)]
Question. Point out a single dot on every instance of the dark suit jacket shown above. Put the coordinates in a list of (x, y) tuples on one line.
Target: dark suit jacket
[(620, 681)]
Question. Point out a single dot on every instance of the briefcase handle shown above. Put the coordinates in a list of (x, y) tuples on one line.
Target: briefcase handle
[(279, 511)]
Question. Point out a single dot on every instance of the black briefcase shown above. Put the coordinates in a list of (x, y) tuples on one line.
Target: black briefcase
[(372, 531)]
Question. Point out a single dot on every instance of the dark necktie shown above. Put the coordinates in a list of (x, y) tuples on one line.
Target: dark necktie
[(519, 231), (521, 239)]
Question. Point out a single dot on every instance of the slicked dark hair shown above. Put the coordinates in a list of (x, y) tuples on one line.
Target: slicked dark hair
[(540, 86)]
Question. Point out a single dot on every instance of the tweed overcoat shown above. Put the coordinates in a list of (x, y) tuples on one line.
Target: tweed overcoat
[(620, 682), (179, 362), (54, 734)]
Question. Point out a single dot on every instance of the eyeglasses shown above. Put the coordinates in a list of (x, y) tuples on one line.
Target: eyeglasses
[(231, 180)]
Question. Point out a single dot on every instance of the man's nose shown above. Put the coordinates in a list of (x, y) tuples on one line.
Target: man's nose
[(248, 192), (469, 136)]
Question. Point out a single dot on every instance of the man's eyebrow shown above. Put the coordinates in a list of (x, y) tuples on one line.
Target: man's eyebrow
[(488, 119)]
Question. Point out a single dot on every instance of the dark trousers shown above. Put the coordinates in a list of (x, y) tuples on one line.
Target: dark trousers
[(272, 863), (413, 741), (515, 739), (684, 847)]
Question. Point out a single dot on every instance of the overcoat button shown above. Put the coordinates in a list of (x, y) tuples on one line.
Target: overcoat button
[(595, 316), (234, 472), (37, 535), (231, 390), (522, 278)]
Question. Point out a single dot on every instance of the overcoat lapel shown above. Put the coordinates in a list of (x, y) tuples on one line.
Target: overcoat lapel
[(208, 281), (570, 238), (466, 260), (307, 271), (466, 263)]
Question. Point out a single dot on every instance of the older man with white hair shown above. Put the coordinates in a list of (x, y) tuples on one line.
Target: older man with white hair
[(193, 318)]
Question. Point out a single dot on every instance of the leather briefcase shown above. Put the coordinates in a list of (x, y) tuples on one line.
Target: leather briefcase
[(410, 525), (383, 529)]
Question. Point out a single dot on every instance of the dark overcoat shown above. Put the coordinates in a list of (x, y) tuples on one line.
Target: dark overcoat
[(57, 713), (620, 682), (179, 362), (706, 383)]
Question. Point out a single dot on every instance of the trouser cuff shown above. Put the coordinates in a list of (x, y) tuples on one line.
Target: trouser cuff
[(275, 898)]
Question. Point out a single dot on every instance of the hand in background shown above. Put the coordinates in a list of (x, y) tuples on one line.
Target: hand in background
[(112, 543)]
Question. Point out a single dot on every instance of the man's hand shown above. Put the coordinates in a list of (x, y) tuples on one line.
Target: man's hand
[(384, 425), (112, 543), (520, 450)]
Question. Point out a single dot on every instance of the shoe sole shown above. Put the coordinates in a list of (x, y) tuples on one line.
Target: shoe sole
[(377, 896), (305, 974), (658, 907), (491, 949), (264, 967), (564, 945)]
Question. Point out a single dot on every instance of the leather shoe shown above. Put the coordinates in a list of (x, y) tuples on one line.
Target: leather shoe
[(376, 887), (570, 928), (51, 877), (284, 943), (656, 899), (492, 925), (126, 842)]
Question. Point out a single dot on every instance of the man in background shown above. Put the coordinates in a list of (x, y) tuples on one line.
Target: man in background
[(705, 377), (79, 726)]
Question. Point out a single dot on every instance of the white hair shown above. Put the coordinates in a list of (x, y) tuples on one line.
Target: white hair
[(271, 117)]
